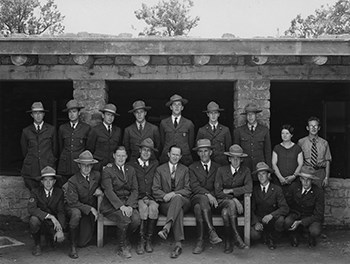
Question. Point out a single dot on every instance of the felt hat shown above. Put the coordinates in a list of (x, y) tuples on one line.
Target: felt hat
[(148, 142), (86, 158), (48, 172), (251, 108), (139, 105), (110, 108), (308, 172), (236, 150), (176, 98), (72, 104), (37, 107), (203, 143), (262, 166), (212, 106)]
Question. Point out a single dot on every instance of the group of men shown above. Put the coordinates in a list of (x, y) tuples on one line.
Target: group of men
[(136, 187)]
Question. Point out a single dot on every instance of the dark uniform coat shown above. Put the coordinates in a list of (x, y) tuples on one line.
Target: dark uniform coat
[(162, 181), (132, 137), (80, 192), (272, 202), (220, 140), (71, 143), (240, 182), (39, 205), (309, 207), (182, 136), (102, 145), (119, 189), (200, 181), (257, 145), (145, 177), (39, 149)]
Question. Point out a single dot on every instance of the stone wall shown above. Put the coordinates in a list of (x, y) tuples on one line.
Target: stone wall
[(14, 197)]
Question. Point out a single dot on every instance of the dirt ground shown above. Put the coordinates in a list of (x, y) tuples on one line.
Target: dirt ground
[(335, 248)]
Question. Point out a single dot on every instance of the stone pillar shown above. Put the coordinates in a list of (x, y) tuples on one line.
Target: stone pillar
[(251, 91), (93, 95)]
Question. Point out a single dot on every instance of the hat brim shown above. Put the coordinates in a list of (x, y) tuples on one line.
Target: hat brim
[(111, 112), (263, 169), (255, 111), (307, 175), (37, 110), (140, 146), (219, 110), (204, 146), (75, 107), (93, 161), (183, 101), (141, 107), (241, 155)]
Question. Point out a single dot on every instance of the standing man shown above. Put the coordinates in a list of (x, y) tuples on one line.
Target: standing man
[(148, 208), (269, 207), (202, 177), (46, 210), (171, 188), (140, 130), (81, 192), (306, 208), (218, 134), (119, 204), (72, 137), (104, 138), (316, 152), (231, 183), (254, 139), (39, 146), (177, 130)]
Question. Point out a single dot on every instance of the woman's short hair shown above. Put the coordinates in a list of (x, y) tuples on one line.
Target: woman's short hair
[(288, 127)]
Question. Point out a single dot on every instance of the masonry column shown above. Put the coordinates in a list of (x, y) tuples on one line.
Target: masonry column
[(255, 91), (93, 95)]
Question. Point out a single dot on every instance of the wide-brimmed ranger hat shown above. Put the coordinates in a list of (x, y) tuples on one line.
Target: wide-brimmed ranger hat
[(86, 158), (48, 172), (37, 107), (236, 151), (307, 172), (72, 104), (148, 142), (203, 143), (251, 108), (139, 105), (262, 166), (176, 98), (110, 108), (212, 106)]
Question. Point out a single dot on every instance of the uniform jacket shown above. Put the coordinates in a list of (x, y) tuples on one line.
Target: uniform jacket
[(220, 140), (182, 136), (80, 193), (241, 182), (145, 177), (162, 181), (118, 189), (200, 181), (132, 137), (39, 149), (71, 143), (40, 206), (101, 144), (309, 207), (257, 144), (272, 202)]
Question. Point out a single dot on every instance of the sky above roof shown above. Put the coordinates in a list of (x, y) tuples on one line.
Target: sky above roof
[(242, 18)]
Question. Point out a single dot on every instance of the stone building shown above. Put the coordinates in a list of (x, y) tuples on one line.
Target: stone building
[(290, 79)]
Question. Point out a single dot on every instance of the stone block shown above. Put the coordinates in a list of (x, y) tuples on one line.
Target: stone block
[(159, 60), (261, 95), (5, 60), (283, 60), (179, 60), (333, 60), (47, 59), (261, 85), (223, 60), (123, 60), (91, 84), (345, 60), (65, 60), (103, 60)]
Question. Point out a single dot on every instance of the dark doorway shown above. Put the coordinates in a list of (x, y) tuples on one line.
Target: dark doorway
[(295, 102), (16, 97), (156, 94)]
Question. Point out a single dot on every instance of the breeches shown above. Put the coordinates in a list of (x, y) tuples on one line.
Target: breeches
[(275, 224), (149, 210), (123, 221), (45, 226), (230, 206), (314, 229)]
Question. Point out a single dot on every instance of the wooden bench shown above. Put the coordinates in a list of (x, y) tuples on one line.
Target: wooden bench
[(189, 220)]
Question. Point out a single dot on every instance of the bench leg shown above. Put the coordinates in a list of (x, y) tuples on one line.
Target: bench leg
[(247, 234), (100, 230)]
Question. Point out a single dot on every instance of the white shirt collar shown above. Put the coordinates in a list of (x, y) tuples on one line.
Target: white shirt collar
[(266, 187), (171, 166), (40, 125), (305, 190), (233, 170), (75, 124), (48, 192), (173, 118), (141, 162), (208, 163), (216, 124), (254, 125), (106, 126)]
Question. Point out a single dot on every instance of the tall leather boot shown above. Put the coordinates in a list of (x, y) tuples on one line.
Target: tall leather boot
[(150, 229), (74, 233), (123, 251), (141, 246), (236, 235), (200, 232), (213, 236), (37, 248), (227, 229)]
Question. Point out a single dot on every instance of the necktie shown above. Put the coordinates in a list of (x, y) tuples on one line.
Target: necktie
[(304, 193), (122, 171), (206, 168), (313, 153), (214, 128), (73, 126), (38, 128), (264, 191), (173, 171), (252, 129), (175, 122), (48, 195), (140, 127), (110, 129), (87, 178)]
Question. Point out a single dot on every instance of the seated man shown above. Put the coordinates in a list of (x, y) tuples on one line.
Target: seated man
[(46, 210), (202, 176), (171, 188), (269, 207), (148, 207), (306, 208), (81, 191), (231, 183), (119, 204)]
